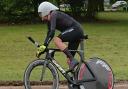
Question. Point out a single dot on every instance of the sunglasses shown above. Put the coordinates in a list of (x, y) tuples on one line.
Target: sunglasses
[(40, 14)]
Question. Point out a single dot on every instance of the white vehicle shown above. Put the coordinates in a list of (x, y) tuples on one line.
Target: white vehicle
[(65, 6), (118, 4)]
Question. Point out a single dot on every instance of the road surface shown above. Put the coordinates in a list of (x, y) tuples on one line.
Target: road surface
[(117, 86)]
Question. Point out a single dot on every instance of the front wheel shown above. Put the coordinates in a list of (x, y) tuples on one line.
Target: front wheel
[(33, 76)]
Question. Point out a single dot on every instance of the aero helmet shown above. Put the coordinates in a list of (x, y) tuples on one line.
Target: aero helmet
[(45, 8)]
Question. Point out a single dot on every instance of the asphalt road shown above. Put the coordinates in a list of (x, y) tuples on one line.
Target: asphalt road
[(117, 86)]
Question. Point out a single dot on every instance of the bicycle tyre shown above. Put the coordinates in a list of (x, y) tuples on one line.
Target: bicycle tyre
[(102, 71), (33, 84), (111, 74)]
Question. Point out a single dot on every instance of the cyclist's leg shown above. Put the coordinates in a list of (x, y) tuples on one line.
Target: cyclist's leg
[(70, 35), (62, 46), (72, 63), (65, 36), (73, 46), (73, 36)]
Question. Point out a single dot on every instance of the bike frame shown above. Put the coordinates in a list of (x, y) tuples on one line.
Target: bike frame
[(50, 56)]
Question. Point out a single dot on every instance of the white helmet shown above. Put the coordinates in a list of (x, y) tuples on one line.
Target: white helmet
[(45, 8)]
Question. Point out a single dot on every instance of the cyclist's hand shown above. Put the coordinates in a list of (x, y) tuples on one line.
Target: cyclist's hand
[(40, 50)]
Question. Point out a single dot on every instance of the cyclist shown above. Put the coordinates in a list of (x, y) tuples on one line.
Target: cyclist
[(70, 29)]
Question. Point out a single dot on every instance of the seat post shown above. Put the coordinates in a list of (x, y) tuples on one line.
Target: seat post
[(82, 48)]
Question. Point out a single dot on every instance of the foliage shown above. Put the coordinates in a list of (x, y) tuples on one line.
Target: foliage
[(26, 10), (16, 10)]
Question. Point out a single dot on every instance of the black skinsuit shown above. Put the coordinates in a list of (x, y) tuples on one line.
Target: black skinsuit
[(70, 29)]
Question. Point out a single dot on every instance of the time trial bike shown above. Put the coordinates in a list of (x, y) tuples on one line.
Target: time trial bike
[(92, 74)]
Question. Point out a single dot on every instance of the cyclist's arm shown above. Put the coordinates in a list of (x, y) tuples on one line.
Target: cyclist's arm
[(51, 29)]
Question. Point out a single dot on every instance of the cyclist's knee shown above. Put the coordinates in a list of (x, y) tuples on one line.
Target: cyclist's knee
[(57, 40)]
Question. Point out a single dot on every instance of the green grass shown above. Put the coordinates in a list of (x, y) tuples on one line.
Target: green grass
[(107, 40)]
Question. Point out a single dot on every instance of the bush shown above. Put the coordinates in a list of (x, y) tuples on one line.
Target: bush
[(16, 11)]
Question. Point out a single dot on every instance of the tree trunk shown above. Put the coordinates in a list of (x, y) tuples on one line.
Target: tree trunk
[(101, 5), (92, 9)]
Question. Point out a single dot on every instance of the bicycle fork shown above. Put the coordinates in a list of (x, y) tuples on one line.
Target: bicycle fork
[(43, 70)]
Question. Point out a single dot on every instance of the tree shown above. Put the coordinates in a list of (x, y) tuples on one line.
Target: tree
[(36, 4), (77, 7), (85, 8), (91, 10), (27, 10), (100, 5)]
